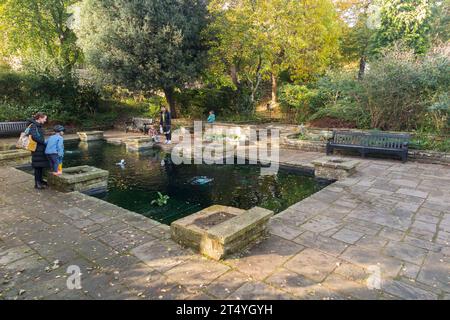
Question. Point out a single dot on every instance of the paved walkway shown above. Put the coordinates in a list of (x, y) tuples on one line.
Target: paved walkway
[(389, 222)]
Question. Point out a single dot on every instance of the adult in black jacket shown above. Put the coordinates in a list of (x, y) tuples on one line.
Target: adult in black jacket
[(39, 160), (165, 123)]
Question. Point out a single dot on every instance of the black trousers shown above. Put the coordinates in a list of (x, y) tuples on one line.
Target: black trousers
[(38, 175), (168, 135)]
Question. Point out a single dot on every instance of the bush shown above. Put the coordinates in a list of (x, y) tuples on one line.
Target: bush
[(296, 99), (339, 95), (348, 113), (425, 141), (400, 88), (10, 111), (154, 106), (196, 103), (400, 91), (23, 94)]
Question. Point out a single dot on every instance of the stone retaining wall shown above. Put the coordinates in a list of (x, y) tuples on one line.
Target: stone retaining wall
[(426, 156), (303, 145)]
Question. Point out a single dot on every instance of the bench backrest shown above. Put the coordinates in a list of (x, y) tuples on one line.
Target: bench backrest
[(369, 139), (140, 122), (13, 127)]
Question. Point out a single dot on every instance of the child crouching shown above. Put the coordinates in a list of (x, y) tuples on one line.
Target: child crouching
[(55, 149)]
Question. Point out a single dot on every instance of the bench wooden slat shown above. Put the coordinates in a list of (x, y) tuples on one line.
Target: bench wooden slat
[(12, 127)]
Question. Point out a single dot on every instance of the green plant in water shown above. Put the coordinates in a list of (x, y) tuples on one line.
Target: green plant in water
[(161, 200)]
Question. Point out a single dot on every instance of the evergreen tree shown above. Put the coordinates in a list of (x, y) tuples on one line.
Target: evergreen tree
[(144, 45)]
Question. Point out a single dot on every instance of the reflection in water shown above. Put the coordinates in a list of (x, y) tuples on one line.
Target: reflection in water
[(134, 185)]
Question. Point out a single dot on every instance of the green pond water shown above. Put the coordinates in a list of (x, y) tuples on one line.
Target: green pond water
[(136, 184)]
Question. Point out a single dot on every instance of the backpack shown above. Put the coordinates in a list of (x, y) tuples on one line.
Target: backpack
[(26, 141)]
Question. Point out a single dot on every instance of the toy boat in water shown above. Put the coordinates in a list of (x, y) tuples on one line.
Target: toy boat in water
[(200, 180)]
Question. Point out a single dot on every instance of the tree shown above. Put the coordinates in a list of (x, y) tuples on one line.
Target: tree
[(144, 45), (38, 30), (407, 21), (440, 25), (360, 23), (258, 39)]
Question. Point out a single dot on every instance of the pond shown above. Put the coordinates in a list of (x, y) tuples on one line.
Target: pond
[(134, 185)]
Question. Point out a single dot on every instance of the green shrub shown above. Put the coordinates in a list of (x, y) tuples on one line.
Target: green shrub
[(196, 103), (426, 141), (400, 91), (16, 112), (348, 112), (438, 114), (23, 94), (400, 87), (339, 95), (154, 106), (296, 99)]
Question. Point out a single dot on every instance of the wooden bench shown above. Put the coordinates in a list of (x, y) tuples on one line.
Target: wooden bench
[(138, 124), (370, 142), (12, 128)]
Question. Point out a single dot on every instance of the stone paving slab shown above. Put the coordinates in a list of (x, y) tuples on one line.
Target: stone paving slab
[(389, 219)]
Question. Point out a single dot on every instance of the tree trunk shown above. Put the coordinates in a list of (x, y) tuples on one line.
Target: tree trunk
[(274, 90), (234, 76), (362, 67), (168, 92)]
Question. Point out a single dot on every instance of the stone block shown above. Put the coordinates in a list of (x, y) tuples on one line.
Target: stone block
[(84, 179), (14, 157), (334, 168), (219, 230), (90, 135), (138, 144), (116, 141)]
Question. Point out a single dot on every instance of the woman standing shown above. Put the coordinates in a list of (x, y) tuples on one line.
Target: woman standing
[(39, 160), (165, 123)]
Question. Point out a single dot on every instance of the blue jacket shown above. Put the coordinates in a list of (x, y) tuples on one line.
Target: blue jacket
[(55, 144), (211, 118)]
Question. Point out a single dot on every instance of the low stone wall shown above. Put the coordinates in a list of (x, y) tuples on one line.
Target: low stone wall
[(426, 156), (14, 157), (292, 142)]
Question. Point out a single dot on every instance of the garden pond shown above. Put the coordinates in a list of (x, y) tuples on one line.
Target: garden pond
[(150, 184)]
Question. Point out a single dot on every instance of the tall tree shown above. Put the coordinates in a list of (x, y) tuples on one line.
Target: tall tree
[(258, 39), (408, 21), (39, 29), (361, 19), (144, 45)]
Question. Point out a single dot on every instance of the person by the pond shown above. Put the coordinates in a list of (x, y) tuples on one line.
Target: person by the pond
[(153, 133), (55, 149), (211, 118), (165, 123), (39, 160)]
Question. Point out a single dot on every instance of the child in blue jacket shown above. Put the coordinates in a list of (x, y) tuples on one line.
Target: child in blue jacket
[(55, 149)]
